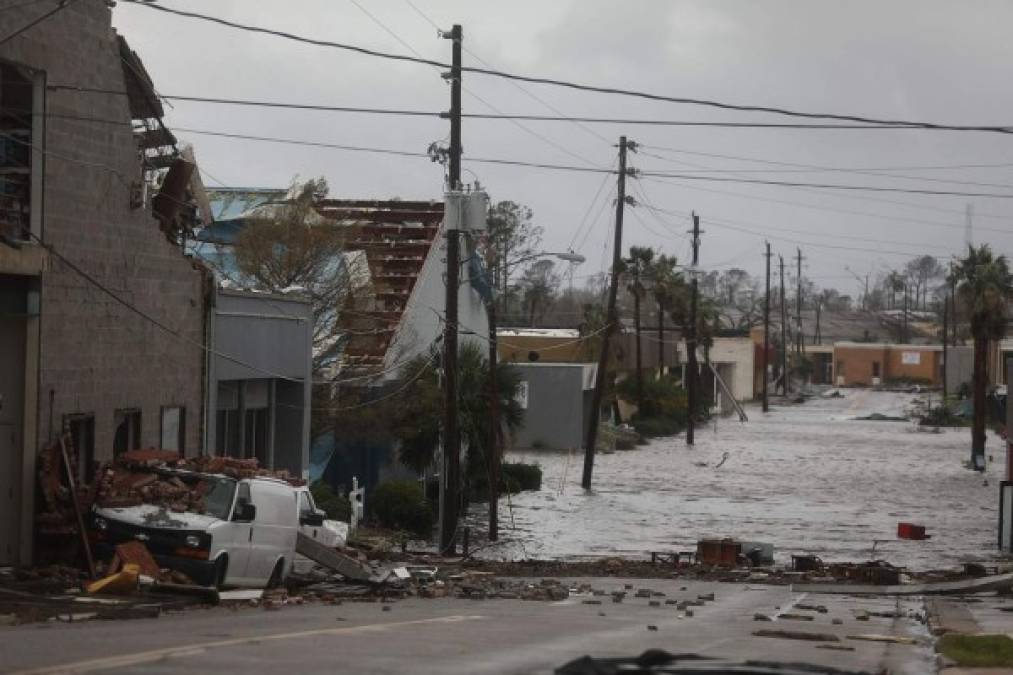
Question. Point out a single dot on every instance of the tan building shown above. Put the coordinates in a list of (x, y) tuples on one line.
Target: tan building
[(870, 364)]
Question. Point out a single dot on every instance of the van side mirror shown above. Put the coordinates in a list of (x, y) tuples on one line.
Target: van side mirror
[(312, 518), (245, 512)]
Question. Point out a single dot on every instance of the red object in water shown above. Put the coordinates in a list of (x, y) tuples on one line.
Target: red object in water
[(911, 531), (719, 552)]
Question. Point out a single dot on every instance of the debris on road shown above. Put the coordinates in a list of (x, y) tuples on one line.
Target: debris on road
[(123, 582), (892, 639), (797, 635)]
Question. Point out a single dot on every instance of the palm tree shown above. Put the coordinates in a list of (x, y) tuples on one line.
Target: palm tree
[(639, 263), (414, 416), (985, 284), (667, 285)]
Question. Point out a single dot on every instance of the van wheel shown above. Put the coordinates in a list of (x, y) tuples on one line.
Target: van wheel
[(276, 575), (221, 568)]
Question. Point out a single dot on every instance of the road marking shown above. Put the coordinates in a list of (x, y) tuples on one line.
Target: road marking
[(137, 658)]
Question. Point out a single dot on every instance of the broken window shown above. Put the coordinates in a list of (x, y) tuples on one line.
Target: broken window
[(128, 431), (17, 131), (173, 430), (81, 428)]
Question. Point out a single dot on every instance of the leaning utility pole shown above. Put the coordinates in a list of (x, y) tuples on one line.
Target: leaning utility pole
[(451, 434), (611, 319), (799, 338), (766, 333), (691, 365), (784, 333)]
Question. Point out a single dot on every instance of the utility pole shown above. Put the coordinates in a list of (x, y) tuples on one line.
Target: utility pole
[(766, 333), (451, 434), (953, 306), (611, 319), (903, 337), (636, 328), (691, 365), (799, 337), (493, 459), (784, 333), (946, 317)]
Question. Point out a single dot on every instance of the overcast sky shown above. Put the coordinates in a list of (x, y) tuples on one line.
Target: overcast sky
[(929, 60)]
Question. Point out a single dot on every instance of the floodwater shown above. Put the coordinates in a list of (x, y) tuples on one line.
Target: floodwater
[(808, 478)]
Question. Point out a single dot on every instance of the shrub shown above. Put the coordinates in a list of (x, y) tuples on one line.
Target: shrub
[(942, 416), (663, 397), (402, 505), (652, 427), (514, 477), (337, 507), (518, 477), (907, 381)]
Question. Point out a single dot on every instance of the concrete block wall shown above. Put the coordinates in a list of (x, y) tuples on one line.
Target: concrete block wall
[(96, 355)]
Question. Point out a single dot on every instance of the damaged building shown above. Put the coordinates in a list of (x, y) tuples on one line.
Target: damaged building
[(101, 316)]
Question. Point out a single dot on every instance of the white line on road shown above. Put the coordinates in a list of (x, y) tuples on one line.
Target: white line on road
[(124, 660)]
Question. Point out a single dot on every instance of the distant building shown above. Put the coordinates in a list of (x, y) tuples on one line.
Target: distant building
[(869, 364), (556, 403)]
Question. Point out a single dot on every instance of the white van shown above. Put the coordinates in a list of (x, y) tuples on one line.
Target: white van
[(246, 537)]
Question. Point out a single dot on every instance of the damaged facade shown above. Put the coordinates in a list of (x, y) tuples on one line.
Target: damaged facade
[(74, 168)]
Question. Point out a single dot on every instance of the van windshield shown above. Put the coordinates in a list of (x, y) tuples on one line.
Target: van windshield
[(219, 497)]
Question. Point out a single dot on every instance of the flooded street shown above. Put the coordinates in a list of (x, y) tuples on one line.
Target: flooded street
[(807, 478)]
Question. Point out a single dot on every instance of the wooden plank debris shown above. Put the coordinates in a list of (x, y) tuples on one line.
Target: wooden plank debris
[(331, 559)]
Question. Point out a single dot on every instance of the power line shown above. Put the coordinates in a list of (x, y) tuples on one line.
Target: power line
[(815, 207), (893, 202), (590, 207), (818, 169), (23, 4), (468, 91), (873, 169), (517, 86), (724, 223), (516, 116), (825, 186), (63, 5), (587, 169), (573, 85), (811, 233)]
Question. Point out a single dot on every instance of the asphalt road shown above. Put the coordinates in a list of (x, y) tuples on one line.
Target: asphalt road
[(473, 636)]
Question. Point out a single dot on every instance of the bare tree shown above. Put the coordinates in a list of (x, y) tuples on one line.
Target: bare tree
[(539, 285), (288, 246), (921, 272), (511, 237)]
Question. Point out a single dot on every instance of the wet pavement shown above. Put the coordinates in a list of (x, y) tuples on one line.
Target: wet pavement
[(451, 635), (808, 478)]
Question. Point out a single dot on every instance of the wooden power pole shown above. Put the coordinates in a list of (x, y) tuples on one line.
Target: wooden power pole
[(611, 320), (784, 332), (451, 433), (766, 333), (691, 364), (799, 337)]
